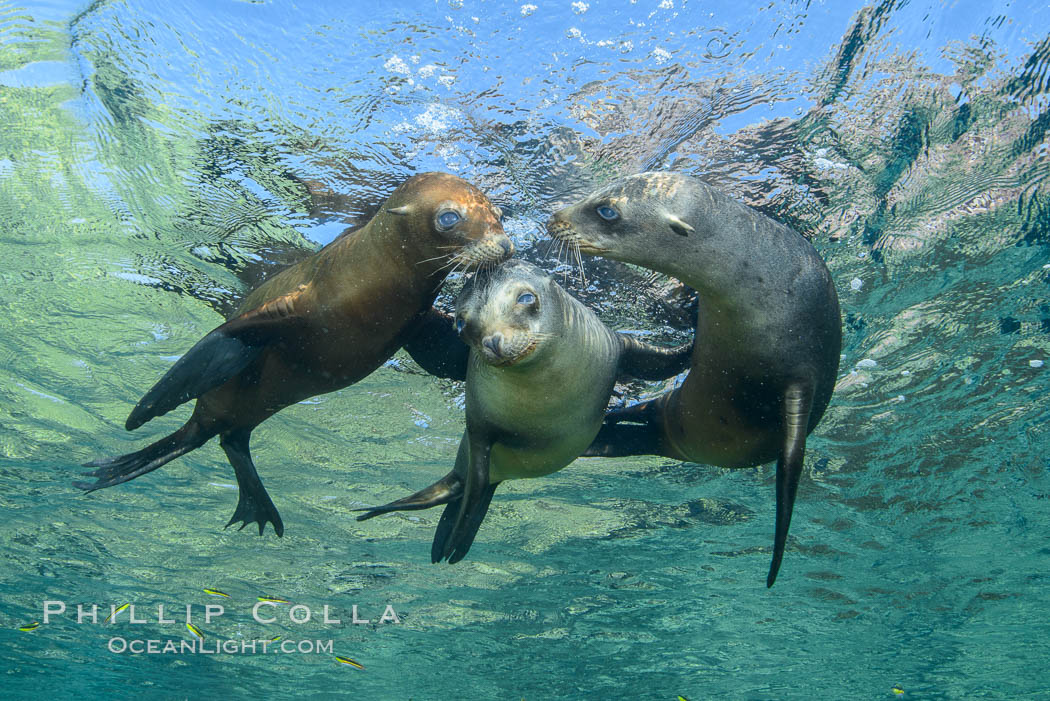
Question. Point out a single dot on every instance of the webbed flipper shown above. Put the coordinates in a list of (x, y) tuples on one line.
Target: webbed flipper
[(461, 519), (798, 401), (111, 471), (448, 489), (253, 502), (648, 362), (437, 348), (216, 358)]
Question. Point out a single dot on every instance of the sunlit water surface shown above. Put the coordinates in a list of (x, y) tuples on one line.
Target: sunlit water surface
[(158, 159)]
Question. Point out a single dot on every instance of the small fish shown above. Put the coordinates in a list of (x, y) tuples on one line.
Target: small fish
[(347, 660), (195, 630), (274, 599), (682, 698), (275, 638), (113, 615), (29, 626), (216, 592), (897, 690)]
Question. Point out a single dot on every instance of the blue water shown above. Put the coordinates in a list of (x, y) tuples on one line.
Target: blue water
[(158, 159)]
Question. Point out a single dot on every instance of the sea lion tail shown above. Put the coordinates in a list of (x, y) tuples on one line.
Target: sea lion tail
[(111, 471), (449, 488)]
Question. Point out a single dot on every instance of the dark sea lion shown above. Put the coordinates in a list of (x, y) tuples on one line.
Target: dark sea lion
[(321, 325), (768, 332), (542, 367)]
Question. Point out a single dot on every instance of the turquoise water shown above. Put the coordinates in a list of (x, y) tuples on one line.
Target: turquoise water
[(158, 159)]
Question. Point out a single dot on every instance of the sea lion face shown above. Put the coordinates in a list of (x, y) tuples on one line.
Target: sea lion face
[(607, 222), (507, 315), (454, 219)]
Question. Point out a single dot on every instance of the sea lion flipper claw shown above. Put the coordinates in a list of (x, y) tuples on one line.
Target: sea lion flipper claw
[(461, 519), (798, 402), (253, 502), (449, 488)]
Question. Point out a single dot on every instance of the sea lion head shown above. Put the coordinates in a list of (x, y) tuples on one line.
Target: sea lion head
[(509, 315), (608, 222), (450, 220)]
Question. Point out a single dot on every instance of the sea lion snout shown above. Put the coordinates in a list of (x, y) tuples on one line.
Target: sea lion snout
[(493, 343)]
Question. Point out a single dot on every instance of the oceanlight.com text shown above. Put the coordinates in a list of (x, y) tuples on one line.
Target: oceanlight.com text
[(138, 646)]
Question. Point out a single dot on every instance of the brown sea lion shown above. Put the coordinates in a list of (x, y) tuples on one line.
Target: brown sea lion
[(768, 332), (542, 367), (321, 325)]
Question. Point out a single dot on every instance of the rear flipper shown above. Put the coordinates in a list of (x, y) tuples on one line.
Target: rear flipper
[(216, 358), (640, 436), (253, 501), (798, 401), (122, 468), (446, 490), (648, 362)]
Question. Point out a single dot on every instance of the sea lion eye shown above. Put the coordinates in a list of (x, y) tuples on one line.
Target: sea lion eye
[(526, 298), (447, 220), (607, 213)]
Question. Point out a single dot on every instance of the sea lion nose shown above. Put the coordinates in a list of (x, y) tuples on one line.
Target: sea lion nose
[(494, 343), (508, 246)]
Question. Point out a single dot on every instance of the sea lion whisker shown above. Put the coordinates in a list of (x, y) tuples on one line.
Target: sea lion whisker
[(427, 260), (579, 261)]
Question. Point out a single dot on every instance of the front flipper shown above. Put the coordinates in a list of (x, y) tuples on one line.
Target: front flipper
[(437, 348), (216, 358), (798, 401), (253, 502), (461, 519), (648, 362), (448, 489)]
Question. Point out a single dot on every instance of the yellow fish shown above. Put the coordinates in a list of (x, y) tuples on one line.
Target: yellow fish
[(216, 592), (897, 690), (113, 615), (682, 698), (29, 626), (195, 630), (275, 638), (347, 660), (274, 599)]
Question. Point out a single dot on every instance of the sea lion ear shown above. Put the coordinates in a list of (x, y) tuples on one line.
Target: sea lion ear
[(678, 226), (400, 211)]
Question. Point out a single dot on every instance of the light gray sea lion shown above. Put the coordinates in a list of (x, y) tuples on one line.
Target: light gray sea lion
[(768, 332), (542, 367), (321, 325)]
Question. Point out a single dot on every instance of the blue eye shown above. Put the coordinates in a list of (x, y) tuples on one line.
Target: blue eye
[(607, 213), (447, 220), (526, 298), (460, 324)]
